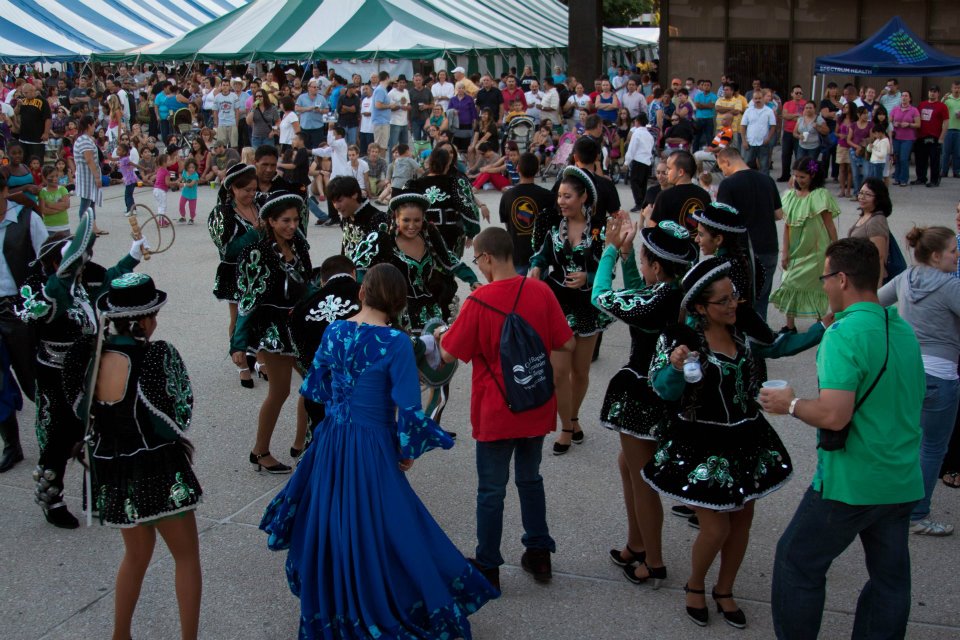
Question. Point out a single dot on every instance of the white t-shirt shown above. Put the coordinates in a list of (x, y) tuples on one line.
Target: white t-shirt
[(226, 105), (551, 99), (400, 116), (579, 103), (442, 92), (286, 127), (208, 99), (534, 98), (359, 173), (366, 121), (758, 123)]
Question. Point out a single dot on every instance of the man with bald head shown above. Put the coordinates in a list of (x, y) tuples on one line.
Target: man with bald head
[(32, 121)]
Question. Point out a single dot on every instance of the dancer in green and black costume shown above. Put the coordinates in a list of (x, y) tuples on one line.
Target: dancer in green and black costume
[(272, 276), (140, 475)]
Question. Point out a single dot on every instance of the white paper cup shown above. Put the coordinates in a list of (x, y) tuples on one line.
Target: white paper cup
[(775, 384)]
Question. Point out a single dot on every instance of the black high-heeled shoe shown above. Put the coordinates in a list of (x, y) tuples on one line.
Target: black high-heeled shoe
[(736, 619), (616, 557), (560, 449), (655, 575), (577, 437), (261, 372), (278, 468), (699, 615), (248, 383)]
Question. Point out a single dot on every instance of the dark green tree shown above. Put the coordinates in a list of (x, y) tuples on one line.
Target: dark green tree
[(619, 13)]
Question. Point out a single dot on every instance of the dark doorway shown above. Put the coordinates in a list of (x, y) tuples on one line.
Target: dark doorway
[(768, 60)]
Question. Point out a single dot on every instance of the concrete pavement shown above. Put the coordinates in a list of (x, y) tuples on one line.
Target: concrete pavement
[(58, 584)]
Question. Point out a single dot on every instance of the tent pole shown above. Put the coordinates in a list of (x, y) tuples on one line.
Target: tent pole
[(813, 86)]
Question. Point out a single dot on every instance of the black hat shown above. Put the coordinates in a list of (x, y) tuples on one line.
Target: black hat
[(701, 276), (235, 171), (579, 174), (720, 217), (278, 201), (670, 241), (408, 197), (132, 295)]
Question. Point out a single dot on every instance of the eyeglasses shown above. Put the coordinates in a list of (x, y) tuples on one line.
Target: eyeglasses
[(798, 93), (824, 277), (865, 194), (727, 301), (477, 257)]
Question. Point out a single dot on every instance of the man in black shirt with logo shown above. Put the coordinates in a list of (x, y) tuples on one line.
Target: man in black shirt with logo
[(683, 197), (32, 115)]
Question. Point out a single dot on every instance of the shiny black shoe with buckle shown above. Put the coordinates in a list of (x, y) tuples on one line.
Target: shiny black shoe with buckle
[(699, 615), (278, 468), (655, 575), (735, 619), (616, 556), (537, 563), (560, 449)]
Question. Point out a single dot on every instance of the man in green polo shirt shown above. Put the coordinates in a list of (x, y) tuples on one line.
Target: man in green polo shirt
[(868, 487)]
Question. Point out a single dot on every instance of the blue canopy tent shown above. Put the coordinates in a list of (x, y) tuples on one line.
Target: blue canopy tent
[(894, 50)]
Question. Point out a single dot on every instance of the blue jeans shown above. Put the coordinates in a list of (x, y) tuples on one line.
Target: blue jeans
[(317, 212), (951, 151), (416, 129), (761, 154), (86, 203), (350, 134), (256, 142), (875, 170), (860, 168), (901, 154), (936, 420), (128, 195), (399, 133), (820, 531), (493, 472), (807, 153)]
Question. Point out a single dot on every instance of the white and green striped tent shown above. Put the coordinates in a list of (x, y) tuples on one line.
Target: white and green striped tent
[(486, 34)]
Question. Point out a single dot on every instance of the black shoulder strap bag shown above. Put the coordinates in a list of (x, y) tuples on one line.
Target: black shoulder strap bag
[(835, 440)]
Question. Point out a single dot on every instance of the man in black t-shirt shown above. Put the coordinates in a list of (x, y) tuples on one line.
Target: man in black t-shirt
[(756, 197), (421, 101), (489, 97), (348, 112), (32, 114), (683, 197), (519, 208)]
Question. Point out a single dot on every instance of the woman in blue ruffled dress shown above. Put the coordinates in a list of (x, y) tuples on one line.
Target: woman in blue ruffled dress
[(364, 556)]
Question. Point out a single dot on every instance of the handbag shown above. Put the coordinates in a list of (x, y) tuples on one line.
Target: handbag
[(895, 264), (835, 440)]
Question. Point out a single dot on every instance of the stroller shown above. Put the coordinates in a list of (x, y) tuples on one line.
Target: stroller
[(183, 127), (520, 130), (612, 152), (561, 157)]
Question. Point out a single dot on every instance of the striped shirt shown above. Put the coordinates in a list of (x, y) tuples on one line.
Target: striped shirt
[(88, 182)]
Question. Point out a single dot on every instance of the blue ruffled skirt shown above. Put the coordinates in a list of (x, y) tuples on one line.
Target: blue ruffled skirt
[(364, 555)]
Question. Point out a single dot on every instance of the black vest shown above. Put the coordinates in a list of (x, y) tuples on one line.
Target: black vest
[(18, 245)]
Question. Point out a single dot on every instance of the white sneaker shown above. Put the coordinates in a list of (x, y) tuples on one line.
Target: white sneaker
[(927, 527)]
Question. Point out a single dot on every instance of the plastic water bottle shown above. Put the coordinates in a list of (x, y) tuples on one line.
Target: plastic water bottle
[(691, 368)]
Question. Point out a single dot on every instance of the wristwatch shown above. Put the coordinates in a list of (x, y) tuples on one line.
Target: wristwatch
[(793, 406)]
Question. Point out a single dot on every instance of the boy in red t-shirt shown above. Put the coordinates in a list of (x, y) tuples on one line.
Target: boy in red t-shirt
[(499, 432)]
